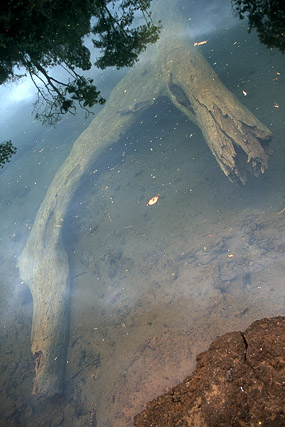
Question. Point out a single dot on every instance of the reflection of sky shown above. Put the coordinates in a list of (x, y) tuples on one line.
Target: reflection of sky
[(18, 94), (18, 97), (206, 18), (210, 16), (20, 91), (118, 195), (14, 97)]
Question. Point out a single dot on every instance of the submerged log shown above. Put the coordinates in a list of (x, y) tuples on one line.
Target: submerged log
[(173, 67), (234, 135), (43, 263)]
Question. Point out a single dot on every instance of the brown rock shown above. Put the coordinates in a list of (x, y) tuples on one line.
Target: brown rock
[(239, 381)]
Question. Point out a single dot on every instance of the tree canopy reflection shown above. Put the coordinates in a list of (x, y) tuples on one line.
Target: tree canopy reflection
[(36, 36), (6, 151), (267, 16), (39, 35)]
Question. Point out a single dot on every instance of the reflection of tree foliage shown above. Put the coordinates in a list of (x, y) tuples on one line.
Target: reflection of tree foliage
[(120, 43), (6, 151), (267, 16), (36, 36)]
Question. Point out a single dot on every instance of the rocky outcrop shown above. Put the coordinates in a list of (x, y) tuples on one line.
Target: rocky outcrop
[(238, 381)]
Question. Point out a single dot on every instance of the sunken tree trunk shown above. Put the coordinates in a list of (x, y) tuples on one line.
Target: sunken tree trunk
[(233, 134), (172, 67)]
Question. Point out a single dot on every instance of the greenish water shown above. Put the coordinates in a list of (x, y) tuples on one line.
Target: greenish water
[(151, 286)]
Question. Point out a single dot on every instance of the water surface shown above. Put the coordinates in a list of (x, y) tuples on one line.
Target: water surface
[(151, 286)]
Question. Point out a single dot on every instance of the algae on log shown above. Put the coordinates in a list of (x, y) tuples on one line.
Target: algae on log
[(43, 263), (172, 67), (233, 134)]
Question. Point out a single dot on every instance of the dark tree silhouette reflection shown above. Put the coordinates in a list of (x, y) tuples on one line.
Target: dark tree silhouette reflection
[(267, 16), (6, 151), (36, 36)]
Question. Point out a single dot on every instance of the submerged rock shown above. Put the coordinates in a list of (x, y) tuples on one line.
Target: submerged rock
[(238, 381)]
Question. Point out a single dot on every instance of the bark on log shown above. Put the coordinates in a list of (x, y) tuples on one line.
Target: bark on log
[(172, 67), (44, 264), (233, 134)]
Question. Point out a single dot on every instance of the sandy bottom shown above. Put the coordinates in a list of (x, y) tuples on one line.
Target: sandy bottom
[(152, 286)]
